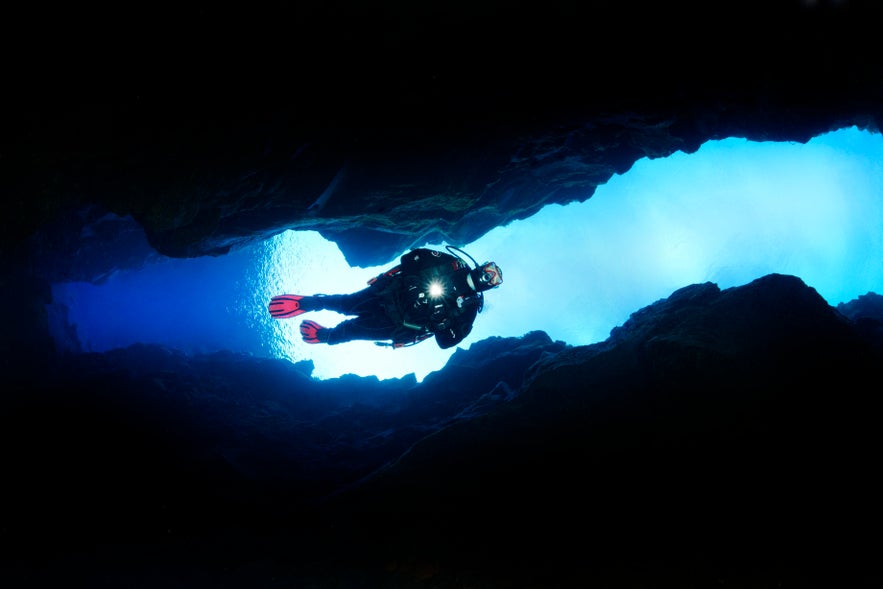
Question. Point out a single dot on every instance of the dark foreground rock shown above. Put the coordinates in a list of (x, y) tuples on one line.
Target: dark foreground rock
[(715, 437)]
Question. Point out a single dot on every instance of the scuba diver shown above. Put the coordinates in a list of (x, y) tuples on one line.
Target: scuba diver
[(430, 293)]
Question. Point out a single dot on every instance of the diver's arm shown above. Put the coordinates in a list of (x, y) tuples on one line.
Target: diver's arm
[(452, 331), (449, 337)]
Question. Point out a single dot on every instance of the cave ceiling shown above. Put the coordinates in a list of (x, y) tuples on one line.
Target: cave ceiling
[(388, 126)]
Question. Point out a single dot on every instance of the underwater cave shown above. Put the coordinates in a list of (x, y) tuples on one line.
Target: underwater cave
[(675, 385)]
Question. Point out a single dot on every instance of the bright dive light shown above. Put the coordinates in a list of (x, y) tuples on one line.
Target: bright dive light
[(436, 289)]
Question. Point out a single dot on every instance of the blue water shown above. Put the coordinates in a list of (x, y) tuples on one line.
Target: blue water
[(733, 211), (198, 305)]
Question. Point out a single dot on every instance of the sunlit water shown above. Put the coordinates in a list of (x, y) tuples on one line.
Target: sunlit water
[(730, 213)]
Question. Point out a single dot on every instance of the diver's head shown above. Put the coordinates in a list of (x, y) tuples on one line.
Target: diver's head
[(486, 276)]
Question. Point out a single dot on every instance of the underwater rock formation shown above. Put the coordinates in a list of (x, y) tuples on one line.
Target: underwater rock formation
[(717, 437)]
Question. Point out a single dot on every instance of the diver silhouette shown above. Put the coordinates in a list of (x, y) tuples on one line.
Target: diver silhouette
[(430, 293)]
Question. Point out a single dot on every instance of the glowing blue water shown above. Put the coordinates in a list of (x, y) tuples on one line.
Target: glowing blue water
[(731, 212)]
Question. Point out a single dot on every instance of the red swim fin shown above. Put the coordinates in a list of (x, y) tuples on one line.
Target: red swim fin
[(313, 333), (286, 306)]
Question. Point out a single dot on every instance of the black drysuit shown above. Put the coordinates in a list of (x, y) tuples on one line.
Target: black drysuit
[(426, 294)]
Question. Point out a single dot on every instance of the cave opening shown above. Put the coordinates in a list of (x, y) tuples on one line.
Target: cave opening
[(731, 212)]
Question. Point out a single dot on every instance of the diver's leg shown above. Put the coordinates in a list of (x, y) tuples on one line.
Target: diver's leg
[(346, 304), (291, 305), (373, 327)]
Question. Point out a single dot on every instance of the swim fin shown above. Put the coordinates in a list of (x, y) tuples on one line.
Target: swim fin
[(313, 333), (286, 306)]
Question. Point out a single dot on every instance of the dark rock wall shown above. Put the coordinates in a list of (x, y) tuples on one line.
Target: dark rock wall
[(718, 437), (725, 431), (385, 126)]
